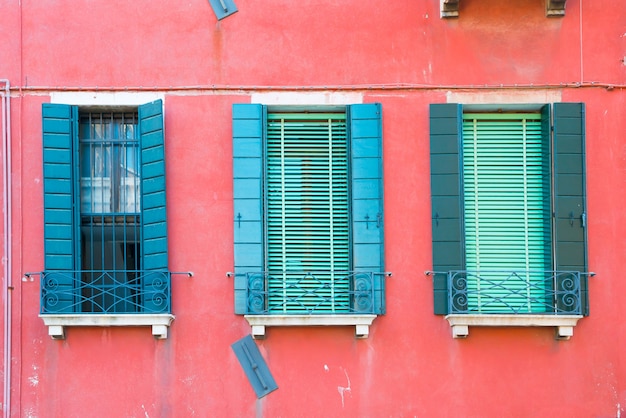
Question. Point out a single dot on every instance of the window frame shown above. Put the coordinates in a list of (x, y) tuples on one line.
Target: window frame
[(365, 180), (564, 125), (60, 148)]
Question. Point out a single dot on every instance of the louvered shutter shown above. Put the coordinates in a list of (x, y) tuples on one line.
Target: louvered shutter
[(447, 197), (569, 193), (506, 212), (307, 213), (366, 188), (153, 214), (61, 203), (248, 165)]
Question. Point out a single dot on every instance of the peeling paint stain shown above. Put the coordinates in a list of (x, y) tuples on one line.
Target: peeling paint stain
[(144, 411), (326, 369), (34, 379), (188, 380), (619, 410), (342, 390)]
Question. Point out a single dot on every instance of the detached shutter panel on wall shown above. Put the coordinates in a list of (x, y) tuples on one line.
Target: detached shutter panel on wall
[(569, 192), (153, 214), (446, 127), (365, 129), (248, 134), (61, 217)]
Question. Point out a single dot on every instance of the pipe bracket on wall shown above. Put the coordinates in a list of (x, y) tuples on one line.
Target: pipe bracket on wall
[(223, 8)]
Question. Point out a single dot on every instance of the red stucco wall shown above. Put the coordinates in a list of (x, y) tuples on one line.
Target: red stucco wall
[(399, 53)]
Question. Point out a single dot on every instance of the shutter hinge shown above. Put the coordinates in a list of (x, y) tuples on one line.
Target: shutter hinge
[(583, 219)]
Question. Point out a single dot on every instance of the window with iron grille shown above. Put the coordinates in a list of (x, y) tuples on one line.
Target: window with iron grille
[(110, 219), (105, 231), (508, 205), (308, 210)]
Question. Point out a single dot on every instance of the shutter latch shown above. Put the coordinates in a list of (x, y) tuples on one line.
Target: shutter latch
[(583, 219)]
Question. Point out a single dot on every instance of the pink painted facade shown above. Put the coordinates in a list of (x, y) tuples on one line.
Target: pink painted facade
[(398, 53)]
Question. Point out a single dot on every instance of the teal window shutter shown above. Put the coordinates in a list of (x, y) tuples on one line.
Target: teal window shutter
[(447, 197), (366, 186), (61, 217), (248, 165), (569, 193), (154, 223)]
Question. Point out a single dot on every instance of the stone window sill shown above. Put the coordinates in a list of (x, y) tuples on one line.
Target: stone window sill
[(56, 323), (260, 322), (564, 324)]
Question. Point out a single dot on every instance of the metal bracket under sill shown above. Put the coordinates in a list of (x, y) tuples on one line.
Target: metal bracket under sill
[(260, 322), (450, 8), (564, 324), (56, 323)]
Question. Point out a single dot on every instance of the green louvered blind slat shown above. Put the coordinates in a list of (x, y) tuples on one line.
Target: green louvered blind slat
[(507, 211), (307, 212)]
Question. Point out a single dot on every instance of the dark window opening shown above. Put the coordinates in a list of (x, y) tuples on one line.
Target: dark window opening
[(110, 212)]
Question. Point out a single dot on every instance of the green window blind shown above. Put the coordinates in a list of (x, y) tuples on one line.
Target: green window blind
[(506, 178), (307, 212)]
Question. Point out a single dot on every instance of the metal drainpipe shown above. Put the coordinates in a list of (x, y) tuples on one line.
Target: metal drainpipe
[(7, 256)]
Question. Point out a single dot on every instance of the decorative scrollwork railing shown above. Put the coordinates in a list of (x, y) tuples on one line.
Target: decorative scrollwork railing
[(105, 292), (521, 292), (289, 292)]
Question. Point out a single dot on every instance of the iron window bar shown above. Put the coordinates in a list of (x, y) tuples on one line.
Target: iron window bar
[(63, 292), (312, 293)]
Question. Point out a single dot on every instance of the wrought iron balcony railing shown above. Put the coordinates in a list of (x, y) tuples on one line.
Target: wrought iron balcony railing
[(105, 292), (310, 293), (521, 292)]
